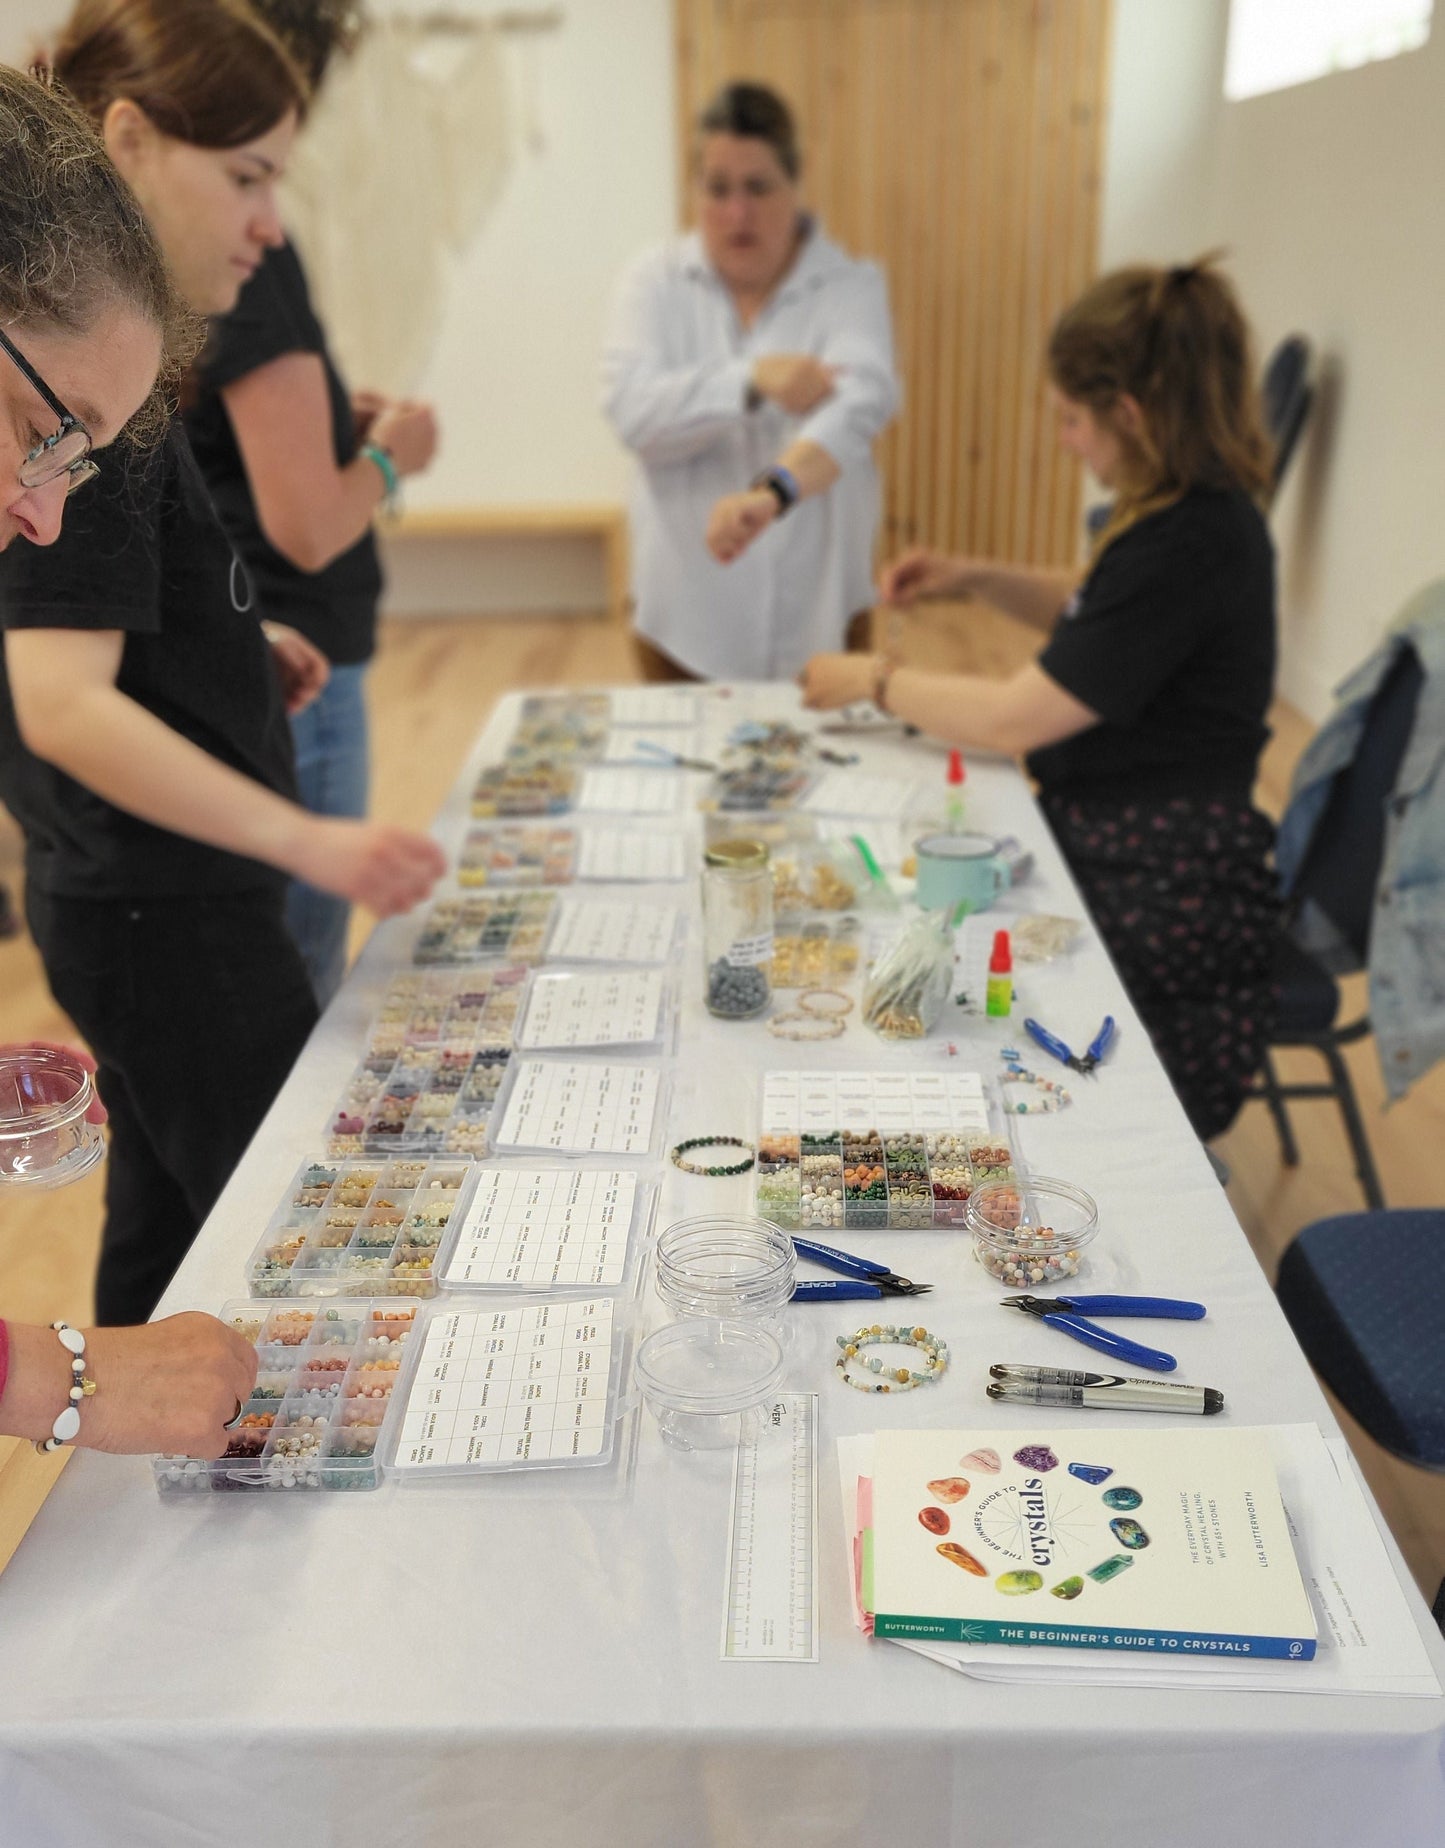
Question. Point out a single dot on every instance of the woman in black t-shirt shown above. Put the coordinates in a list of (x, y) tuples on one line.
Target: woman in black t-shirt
[(1143, 718), (143, 738), (87, 316), (297, 469)]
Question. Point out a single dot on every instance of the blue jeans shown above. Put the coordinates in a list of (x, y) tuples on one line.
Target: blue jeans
[(331, 772)]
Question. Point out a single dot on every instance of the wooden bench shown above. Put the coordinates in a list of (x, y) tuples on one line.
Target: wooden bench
[(579, 521)]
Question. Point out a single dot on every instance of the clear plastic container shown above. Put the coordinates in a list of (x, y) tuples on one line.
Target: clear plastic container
[(1030, 1235), (45, 1140), (706, 1381), (726, 1267), (362, 1228), (510, 927), (737, 922), (506, 858)]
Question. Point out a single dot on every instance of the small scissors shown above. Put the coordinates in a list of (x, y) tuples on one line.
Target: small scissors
[(874, 1280), (1098, 1046), (1067, 1313)]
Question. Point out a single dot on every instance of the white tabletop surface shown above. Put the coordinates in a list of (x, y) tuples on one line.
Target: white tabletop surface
[(535, 1660)]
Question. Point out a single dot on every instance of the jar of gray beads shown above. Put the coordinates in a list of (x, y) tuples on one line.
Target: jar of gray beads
[(737, 928)]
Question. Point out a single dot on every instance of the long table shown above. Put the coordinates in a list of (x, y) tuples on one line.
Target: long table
[(535, 1660)]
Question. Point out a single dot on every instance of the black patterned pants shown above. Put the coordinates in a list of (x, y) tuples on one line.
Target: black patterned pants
[(1185, 899)]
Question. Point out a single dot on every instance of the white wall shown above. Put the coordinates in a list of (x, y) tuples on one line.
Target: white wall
[(1331, 197), (515, 371)]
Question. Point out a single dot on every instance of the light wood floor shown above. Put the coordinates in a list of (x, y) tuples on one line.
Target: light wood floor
[(433, 684)]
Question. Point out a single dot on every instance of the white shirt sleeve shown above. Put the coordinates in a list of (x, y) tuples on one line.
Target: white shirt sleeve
[(859, 343), (665, 413)]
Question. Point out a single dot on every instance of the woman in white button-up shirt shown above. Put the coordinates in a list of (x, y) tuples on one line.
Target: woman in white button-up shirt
[(749, 367)]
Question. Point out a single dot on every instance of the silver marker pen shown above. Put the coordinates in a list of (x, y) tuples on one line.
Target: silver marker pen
[(1064, 1387)]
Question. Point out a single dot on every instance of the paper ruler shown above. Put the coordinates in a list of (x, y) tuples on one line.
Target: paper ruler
[(771, 1610)]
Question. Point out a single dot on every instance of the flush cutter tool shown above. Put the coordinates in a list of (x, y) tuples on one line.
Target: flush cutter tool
[(1051, 1043), (1068, 1313), (867, 1281)]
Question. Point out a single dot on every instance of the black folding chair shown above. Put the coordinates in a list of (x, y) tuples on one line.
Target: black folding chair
[(1339, 878)]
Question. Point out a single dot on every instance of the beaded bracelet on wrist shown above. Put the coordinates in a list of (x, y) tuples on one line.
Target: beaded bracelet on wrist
[(712, 1142), (891, 1379), (67, 1424)]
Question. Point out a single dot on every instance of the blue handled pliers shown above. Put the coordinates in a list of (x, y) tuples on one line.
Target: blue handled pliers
[(1050, 1042), (649, 749), (1067, 1313), (872, 1280)]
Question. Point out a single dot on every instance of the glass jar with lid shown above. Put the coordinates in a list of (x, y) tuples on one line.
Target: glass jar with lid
[(737, 926)]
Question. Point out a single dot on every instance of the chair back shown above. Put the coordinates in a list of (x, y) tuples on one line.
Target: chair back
[(1286, 395), (1342, 868)]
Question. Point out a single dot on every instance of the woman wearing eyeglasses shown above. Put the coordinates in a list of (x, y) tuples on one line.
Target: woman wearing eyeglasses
[(148, 760), (297, 470), (87, 317)]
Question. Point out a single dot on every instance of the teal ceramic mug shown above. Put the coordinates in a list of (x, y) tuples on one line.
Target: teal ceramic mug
[(954, 867)]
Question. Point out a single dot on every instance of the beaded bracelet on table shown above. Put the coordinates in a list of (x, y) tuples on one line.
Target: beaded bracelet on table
[(811, 1001), (711, 1142), (891, 1379), (1049, 1094), (807, 1027)]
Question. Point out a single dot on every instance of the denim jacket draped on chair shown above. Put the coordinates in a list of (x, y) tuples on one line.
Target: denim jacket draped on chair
[(1407, 935)]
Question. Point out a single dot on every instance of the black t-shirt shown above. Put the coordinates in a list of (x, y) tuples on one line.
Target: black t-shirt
[(336, 606), (141, 551), (1171, 640)]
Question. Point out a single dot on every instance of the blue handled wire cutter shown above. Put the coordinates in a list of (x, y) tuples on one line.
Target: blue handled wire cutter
[(1067, 1314), (648, 749), (1050, 1042), (868, 1281)]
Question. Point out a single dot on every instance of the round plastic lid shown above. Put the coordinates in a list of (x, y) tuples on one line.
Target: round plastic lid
[(956, 846), (44, 1137), (725, 1262), (708, 1367), (740, 856), (1007, 1214), (41, 1089)]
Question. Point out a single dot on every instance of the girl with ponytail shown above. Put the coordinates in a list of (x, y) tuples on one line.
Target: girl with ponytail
[(1143, 718)]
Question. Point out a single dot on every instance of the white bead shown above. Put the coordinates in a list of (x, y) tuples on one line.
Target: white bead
[(66, 1425), (72, 1339)]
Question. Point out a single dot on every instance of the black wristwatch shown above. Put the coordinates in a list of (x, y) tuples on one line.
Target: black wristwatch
[(782, 484)]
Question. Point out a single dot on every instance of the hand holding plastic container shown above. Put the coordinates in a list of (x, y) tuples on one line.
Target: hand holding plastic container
[(50, 1117)]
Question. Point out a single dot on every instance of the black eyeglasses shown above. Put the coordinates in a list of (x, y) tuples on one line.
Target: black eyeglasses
[(65, 453)]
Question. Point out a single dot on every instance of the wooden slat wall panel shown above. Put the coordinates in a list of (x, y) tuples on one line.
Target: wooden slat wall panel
[(959, 143)]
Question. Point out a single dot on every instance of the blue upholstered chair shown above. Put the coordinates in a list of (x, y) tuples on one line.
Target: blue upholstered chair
[(1373, 1328)]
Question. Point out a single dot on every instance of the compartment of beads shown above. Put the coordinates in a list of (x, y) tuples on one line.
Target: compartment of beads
[(508, 857), (524, 785), (865, 1180), (779, 1179), (483, 927), (362, 1228), (860, 1178), (321, 1404), (435, 1060)]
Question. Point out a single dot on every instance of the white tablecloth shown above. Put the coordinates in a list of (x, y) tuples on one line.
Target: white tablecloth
[(536, 1661)]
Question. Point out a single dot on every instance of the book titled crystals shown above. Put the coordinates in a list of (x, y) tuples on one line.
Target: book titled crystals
[(1171, 1541)]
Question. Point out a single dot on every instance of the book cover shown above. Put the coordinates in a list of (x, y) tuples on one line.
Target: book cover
[(1171, 1541)]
